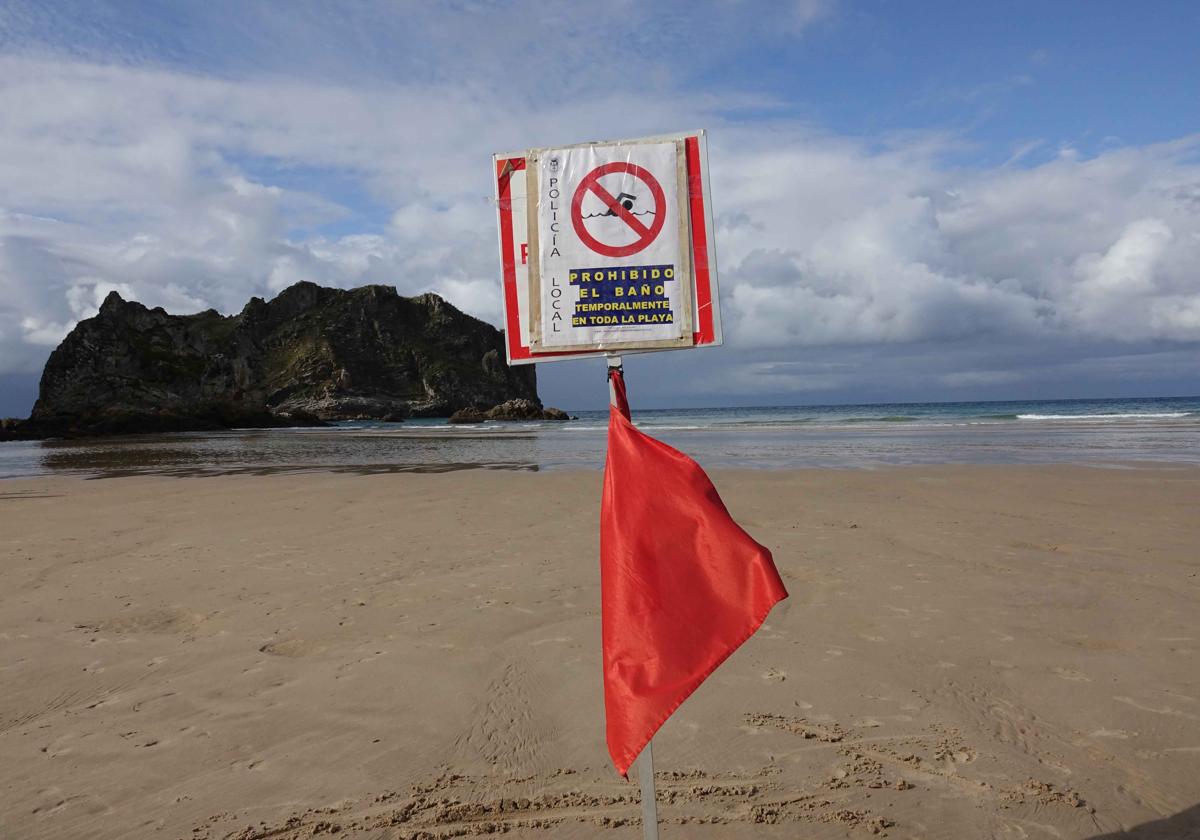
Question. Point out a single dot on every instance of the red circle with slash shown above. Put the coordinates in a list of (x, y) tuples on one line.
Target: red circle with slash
[(591, 183)]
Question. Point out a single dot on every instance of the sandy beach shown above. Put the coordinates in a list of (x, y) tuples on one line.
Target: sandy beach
[(1008, 652)]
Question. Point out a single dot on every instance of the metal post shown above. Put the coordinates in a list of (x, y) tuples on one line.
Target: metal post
[(649, 803), (613, 362), (645, 761)]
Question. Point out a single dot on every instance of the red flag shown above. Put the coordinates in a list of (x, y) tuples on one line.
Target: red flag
[(682, 585)]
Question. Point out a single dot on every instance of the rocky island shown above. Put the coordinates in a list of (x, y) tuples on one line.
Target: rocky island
[(308, 356)]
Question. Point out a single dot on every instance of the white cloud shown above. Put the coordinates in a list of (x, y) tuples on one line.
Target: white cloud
[(85, 297), (836, 244), (779, 377), (1119, 287), (43, 333)]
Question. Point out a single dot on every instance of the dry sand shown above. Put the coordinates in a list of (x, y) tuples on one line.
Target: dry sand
[(967, 652)]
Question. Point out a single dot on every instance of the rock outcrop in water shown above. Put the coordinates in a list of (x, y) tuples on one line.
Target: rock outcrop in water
[(518, 409), (309, 355)]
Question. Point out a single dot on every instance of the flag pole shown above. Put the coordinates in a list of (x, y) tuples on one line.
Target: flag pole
[(645, 761), (649, 803), (614, 363)]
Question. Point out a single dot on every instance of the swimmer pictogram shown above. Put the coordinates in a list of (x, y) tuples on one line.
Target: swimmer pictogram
[(620, 206)]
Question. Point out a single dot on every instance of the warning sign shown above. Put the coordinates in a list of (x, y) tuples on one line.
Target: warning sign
[(610, 269), (607, 247), (621, 206)]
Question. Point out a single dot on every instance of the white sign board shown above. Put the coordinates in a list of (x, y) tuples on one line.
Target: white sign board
[(610, 270), (614, 252)]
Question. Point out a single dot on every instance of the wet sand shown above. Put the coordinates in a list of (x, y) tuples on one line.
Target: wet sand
[(1008, 652)]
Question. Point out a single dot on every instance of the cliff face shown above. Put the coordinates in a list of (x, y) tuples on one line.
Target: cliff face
[(333, 354)]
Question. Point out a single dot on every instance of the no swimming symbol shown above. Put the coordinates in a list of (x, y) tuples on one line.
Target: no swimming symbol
[(620, 207)]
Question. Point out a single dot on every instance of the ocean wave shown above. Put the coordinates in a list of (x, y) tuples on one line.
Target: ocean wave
[(1167, 415), (789, 421)]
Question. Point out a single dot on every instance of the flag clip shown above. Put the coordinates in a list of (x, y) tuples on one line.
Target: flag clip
[(615, 364)]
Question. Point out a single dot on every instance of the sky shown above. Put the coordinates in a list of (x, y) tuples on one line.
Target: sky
[(913, 201)]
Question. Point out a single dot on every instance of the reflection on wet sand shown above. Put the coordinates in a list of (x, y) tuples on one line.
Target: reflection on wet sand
[(75, 458), (358, 469), (432, 446), (267, 453)]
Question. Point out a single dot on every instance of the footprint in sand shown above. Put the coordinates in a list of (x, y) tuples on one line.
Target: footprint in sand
[(952, 756), (169, 620), (774, 675), (247, 764), (53, 802), (292, 648), (1111, 733), (1071, 674)]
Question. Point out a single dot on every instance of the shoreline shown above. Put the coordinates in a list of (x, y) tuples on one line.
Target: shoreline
[(967, 651), (583, 446), (366, 470)]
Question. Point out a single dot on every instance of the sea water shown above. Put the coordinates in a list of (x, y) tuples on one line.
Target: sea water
[(1102, 432)]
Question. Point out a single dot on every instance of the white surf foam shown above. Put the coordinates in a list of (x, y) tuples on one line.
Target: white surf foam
[(1130, 416)]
